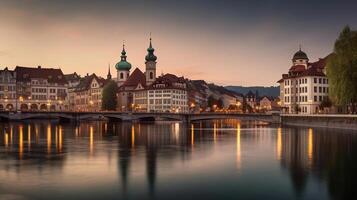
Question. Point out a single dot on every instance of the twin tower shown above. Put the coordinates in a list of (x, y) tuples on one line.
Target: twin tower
[(123, 67)]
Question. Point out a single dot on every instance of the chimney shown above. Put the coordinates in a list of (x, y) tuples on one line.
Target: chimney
[(39, 67)]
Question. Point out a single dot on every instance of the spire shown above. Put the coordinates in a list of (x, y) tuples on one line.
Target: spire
[(109, 76), (299, 47), (150, 56), (123, 53)]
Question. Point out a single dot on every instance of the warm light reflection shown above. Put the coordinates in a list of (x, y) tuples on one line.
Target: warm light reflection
[(192, 135), (6, 139), (215, 132), (91, 145), (36, 134), (21, 141), (238, 147), (29, 136), (177, 130), (310, 144), (132, 136), (49, 138), (279, 144), (60, 139)]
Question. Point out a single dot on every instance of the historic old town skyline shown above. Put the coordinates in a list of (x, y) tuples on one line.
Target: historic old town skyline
[(191, 38)]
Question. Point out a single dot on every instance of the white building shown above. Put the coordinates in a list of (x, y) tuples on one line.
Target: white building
[(305, 86), (144, 92)]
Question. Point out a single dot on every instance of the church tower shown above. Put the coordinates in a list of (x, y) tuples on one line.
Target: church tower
[(300, 58), (150, 62), (123, 68)]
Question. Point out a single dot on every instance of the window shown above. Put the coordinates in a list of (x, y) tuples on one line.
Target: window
[(121, 75), (320, 80), (315, 89), (315, 98), (320, 98), (315, 80), (151, 75)]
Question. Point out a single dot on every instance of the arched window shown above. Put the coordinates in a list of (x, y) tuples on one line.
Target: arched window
[(151, 75), (121, 75)]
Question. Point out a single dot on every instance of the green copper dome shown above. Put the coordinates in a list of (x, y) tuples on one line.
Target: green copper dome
[(123, 64), (150, 56)]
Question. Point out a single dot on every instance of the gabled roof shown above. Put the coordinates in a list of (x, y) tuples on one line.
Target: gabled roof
[(84, 83), (135, 78), (25, 74), (72, 77)]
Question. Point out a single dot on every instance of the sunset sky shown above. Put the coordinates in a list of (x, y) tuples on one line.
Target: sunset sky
[(226, 42)]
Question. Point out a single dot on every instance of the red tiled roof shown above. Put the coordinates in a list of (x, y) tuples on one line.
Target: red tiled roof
[(297, 68), (135, 78), (168, 80), (25, 74)]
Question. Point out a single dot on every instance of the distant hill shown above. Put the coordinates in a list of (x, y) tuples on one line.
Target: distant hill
[(268, 91)]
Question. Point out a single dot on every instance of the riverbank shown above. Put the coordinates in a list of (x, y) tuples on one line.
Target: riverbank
[(323, 121)]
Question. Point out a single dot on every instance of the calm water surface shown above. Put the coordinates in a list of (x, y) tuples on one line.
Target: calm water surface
[(222, 159)]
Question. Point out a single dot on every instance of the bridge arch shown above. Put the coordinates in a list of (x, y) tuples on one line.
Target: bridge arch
[(43, 107), (9, 107), (24, 107), (34, 107)]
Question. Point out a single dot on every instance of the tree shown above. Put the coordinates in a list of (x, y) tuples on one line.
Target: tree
[(342, 69), (109, 98), (326, 103)]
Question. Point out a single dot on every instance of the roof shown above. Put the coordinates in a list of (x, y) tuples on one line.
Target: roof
[(300, 55), (84, 83), (25, 74), (169, 81), (297, 68), (135, 78), (72, 77), (313, 69)]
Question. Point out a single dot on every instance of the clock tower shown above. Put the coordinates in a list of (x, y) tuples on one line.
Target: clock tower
[(150, 63)]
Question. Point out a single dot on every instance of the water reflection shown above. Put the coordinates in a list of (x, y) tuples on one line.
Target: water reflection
[(155, 159)]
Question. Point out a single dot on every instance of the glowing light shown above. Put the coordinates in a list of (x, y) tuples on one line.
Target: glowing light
[(239, 155), (132, 136), (6, 139), (310, 144), (91, 145), (49, 138), (29, 136), (60, 139), (279, 144), (21, 141)]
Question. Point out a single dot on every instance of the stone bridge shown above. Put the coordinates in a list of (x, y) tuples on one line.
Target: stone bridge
[(125, 116)]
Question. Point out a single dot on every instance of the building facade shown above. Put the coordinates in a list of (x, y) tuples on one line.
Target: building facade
[(88, 94), (305, 86), (145, 92), (73, 81), (28, 88)]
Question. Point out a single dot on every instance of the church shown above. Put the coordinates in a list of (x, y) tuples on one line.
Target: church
[(145, 92)]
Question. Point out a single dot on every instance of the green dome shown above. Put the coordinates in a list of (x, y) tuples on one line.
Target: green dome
[(123, 64)]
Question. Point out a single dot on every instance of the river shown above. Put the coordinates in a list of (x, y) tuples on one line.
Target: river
[(215, 159)]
